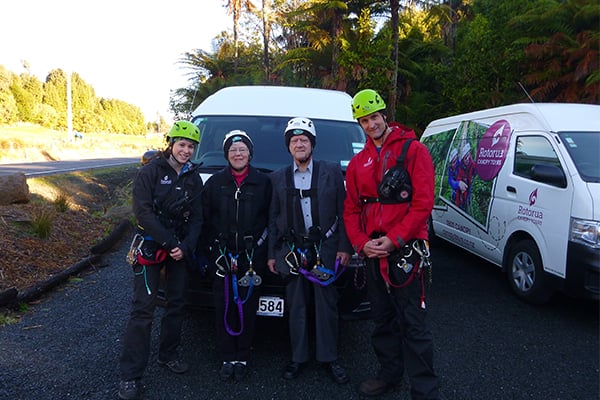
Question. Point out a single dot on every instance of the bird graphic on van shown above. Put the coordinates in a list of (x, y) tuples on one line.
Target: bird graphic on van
[(533, 197), (497, 135)]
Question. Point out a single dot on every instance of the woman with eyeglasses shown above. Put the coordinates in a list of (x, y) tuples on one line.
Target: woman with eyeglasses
[(235, 204)]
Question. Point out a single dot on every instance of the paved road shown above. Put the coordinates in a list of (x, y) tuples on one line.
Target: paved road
[(489, 345), (54, 167)]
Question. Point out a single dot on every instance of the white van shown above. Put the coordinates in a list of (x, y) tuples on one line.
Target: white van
[(519, 185), (263, 112)]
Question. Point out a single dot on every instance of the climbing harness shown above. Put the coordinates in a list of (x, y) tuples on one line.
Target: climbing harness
[(134, 248), (227, 268), (250, 278), (319, 274), (414, 261), (304, 255), (139, 256), (306, 260)]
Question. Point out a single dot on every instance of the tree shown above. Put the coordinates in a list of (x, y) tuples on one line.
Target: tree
[(271, 15), (317, 48), (8, 105), (24, 99), (394, 26), (484, 71), (55, 95), (562, 51), (236, 8)]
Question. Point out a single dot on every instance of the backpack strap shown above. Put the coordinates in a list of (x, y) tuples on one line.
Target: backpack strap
[(402, 156)]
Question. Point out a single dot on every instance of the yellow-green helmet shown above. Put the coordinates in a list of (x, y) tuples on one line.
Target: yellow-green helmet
[(185, 130), (366, 102)]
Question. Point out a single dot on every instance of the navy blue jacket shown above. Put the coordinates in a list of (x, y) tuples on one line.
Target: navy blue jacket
[(167, 206)]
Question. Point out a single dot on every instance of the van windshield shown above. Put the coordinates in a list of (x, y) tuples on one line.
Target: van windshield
[(337, 141), (583, 148)]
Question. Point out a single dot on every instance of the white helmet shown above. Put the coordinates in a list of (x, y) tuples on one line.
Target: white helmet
[(466, 149), (237, 136), (453, 154), (300, 126)]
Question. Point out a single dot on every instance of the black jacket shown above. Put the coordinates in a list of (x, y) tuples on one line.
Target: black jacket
[(235, 214), (330, 196), (166, 205)]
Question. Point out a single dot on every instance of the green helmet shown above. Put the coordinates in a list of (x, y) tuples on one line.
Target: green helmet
[(185, 130), (366, 102)]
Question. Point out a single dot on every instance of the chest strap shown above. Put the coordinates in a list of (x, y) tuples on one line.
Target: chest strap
[(294, 196)]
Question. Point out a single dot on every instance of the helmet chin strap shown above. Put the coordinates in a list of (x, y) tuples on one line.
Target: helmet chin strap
[(383, 132), (172, 157)]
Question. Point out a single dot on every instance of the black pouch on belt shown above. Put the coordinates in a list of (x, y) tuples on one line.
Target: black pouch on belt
[(403, 263), (151, 253)]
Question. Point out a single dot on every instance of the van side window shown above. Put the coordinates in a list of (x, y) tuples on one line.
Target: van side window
[(535, 159)]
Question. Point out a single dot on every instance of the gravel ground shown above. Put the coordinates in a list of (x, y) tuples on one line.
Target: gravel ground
[(489, 344)]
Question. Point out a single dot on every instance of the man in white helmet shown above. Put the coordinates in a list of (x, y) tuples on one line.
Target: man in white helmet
[(307, 240)]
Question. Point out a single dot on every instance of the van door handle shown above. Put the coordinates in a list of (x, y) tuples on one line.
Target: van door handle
[(511, 189)]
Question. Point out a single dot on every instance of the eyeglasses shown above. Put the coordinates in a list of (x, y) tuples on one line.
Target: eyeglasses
[(241, 151)]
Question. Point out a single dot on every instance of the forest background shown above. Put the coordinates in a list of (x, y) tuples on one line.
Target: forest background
[(428, 59)]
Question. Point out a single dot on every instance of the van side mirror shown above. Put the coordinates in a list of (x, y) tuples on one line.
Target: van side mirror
[(550, 174)]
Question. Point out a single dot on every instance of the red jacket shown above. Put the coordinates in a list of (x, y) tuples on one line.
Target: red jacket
[(400, 222)]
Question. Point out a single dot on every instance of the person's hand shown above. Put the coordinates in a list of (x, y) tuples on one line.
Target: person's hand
[(378, 248), (271, 264), (176, 254), (462, 186), (343, 257)]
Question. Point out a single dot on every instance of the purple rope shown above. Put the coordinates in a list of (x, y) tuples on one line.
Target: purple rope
[(240, 310), (336, 273)]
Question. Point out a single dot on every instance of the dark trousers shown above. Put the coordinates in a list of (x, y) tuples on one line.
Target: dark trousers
[(136, 341), (402, 338), (235, 348), (298, 296)]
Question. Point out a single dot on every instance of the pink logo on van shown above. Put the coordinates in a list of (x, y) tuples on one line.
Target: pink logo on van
[(532, 197), (493, 149)]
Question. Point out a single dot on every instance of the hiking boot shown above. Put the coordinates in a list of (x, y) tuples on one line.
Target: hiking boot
[(239, 371), (338, 374), (176, 366), (226, 371), (292, 370), (374, 387), (129, 390)]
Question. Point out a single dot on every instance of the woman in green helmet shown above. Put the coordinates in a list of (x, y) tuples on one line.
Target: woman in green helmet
[(167, 206)]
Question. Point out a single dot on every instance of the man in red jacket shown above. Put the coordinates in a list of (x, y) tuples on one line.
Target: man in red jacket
[(386, 221)]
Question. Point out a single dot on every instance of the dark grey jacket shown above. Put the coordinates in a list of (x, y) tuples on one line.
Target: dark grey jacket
[(330, 198)]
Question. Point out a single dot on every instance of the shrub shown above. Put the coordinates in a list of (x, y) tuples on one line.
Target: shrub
[(62, 202), (41, 223)]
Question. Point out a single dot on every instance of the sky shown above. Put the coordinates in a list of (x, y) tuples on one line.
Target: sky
[(124, 49)]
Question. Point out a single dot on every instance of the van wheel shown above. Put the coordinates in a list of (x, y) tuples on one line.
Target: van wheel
[(526, 273)]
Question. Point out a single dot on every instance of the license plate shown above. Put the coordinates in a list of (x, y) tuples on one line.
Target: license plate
[(270, 306)]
